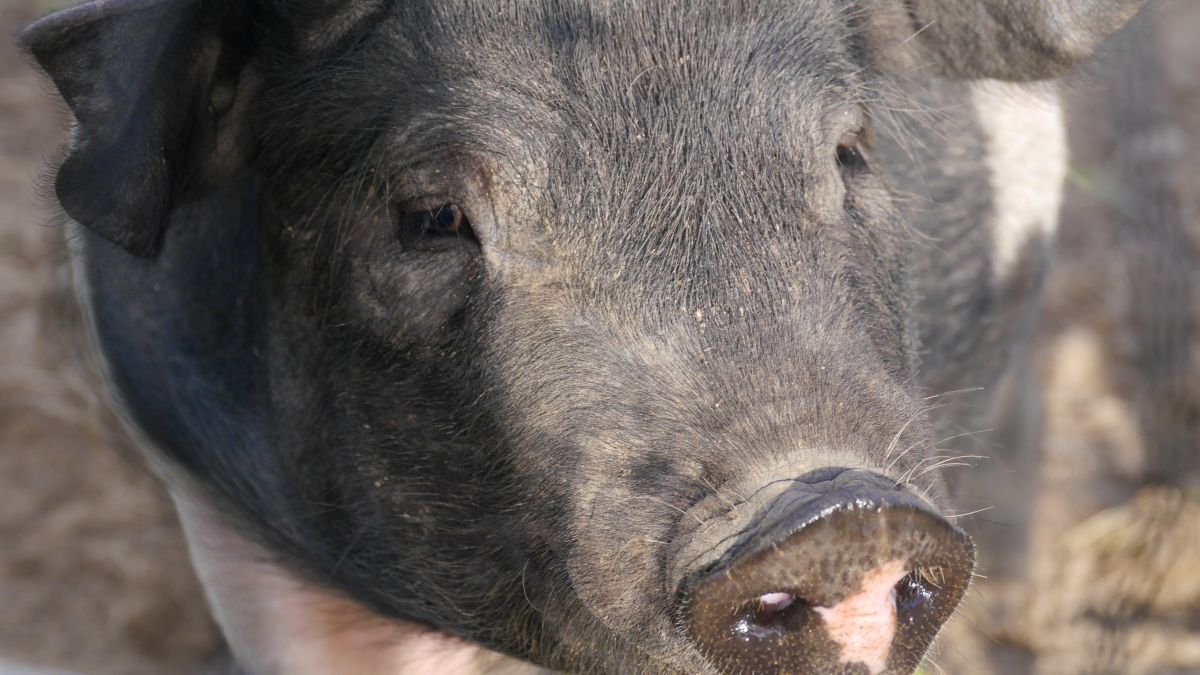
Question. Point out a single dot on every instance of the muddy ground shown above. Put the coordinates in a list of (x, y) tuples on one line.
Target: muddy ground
[(1091, 568)]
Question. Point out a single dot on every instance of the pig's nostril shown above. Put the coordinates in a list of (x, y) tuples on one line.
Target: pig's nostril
[(767, 618), (775, 602), (918, 591)]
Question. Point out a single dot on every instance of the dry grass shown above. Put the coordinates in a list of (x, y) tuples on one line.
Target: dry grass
[(1106, 577)]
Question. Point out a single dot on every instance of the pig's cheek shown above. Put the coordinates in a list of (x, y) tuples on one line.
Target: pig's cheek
[(276, 623)]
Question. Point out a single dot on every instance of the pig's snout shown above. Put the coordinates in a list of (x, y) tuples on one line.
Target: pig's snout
[(847, 573)]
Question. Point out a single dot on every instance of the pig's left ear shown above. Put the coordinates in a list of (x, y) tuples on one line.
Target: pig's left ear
[(1002, 39), (151, 84)]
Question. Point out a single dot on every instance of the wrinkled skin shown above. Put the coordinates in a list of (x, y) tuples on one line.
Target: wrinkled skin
[(693, 267)]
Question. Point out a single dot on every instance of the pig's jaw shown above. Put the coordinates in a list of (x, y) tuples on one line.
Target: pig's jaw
[(276, 623), (863, 625)]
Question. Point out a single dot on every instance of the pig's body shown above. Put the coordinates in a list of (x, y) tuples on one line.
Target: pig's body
[(719, 262)]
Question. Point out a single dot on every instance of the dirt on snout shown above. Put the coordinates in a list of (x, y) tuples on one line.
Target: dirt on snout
[(1098, 569)]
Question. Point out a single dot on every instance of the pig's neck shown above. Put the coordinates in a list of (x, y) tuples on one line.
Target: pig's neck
[(277, 623)]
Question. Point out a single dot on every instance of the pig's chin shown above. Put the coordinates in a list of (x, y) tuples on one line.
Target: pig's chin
[(277, 623)]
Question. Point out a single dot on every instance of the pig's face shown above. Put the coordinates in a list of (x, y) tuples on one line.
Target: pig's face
[(542, 313), (581, 332)]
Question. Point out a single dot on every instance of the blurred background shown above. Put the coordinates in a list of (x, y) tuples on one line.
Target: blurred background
[(1092, 561), (94, 575)]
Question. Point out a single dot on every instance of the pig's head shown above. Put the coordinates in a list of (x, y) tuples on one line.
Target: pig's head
[(581, 331)]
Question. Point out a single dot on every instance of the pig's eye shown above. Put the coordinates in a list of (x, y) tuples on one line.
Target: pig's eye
[(849, 151), (444, 220), (421, 223)]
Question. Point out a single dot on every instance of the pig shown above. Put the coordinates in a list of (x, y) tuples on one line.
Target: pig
[(590, 336)]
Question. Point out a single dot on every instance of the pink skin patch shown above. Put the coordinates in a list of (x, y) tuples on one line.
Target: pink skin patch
[(864, 624)]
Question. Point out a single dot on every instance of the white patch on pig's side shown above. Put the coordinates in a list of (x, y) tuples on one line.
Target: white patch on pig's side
[(1026, 145), (864, 624), (277, 623)]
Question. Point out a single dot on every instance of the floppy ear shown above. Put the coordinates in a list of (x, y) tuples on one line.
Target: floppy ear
[(152, 84), (1002, 39)]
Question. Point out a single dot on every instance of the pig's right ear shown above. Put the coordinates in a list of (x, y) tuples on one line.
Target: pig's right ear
[(1003, 39), (150, 83)]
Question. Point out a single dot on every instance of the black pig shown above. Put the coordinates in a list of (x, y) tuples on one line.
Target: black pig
[(599, 336)]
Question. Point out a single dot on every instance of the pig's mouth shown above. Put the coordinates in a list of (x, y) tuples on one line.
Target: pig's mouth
[(855, 573)]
